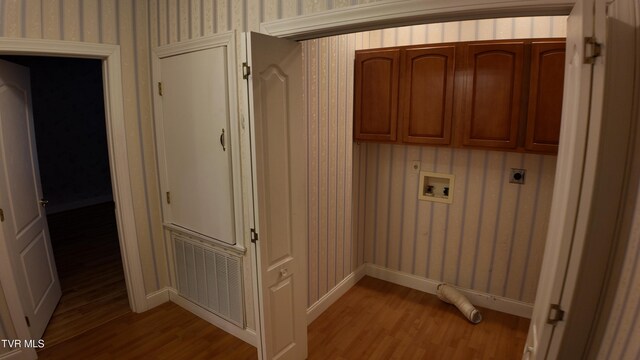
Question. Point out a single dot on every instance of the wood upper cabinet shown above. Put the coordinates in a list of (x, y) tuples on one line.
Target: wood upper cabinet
[(377, 75), (545, 96), (492, 92), (498, 94), (427, 94)]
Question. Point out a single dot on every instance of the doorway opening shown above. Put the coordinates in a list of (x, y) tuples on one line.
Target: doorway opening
[(73, 158), (489, 241), (110, 57)]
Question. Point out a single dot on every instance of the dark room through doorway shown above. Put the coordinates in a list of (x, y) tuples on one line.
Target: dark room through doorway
[(72, 151)]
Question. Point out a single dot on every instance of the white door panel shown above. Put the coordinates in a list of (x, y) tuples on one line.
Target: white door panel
[(24, 232), (279, 154), (572, 193), (282, 329), (564, 206), (40, 276), (16, 130), (271, 89), (197, 144)]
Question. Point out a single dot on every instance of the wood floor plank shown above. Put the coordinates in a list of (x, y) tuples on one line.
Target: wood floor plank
[(379, 320), (87, 253), (373, 320), (165, 332)]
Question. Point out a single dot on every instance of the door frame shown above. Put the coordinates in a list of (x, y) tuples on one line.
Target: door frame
[(386, 14), (257, 207), (118, 162), (395, 14)]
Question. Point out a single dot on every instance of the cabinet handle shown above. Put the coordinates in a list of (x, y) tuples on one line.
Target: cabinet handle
[(222, 141)]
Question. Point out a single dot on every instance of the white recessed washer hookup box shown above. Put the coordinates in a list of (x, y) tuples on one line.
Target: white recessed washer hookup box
[(436, 187)]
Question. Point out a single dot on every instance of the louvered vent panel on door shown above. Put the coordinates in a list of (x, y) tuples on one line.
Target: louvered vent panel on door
[(210, 278)]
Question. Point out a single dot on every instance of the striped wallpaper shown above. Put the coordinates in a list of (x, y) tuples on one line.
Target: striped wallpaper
[(122, 22), (338, 169), (475, 242), (622, 335), (329, 97), (490, 239), (623, 329), (138, 27), (175, 20), (330, 227)]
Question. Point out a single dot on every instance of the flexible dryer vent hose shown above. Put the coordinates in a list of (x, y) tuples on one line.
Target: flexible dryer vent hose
[(450, 295)]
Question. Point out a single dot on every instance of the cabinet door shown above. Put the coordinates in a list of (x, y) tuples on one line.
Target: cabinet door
[(377, 75), (427, 97), (493, 94), (197, 147), (545, 96)]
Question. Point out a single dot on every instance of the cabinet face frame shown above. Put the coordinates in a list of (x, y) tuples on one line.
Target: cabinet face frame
[(363, 108), (514, 51), (545, 85), (443, 79)]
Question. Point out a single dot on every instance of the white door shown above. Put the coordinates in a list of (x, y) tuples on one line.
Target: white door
[(565, 237), (25, 234), (279, 161), (197, 146)]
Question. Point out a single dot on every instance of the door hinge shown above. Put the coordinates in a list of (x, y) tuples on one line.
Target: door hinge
[(246, 70), (27, 320), (592, 50), (1, 215), (160, 88), (168, 197), (556, 314), (254, 235)]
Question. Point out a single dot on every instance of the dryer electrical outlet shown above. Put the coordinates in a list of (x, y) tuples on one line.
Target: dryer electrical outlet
[(517, 176)]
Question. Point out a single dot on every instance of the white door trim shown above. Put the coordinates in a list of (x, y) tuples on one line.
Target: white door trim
[(226, 40), (118, 160), (394, 13), (399, 13)]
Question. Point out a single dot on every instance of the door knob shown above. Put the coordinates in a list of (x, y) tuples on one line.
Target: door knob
[(43, 202), (284, 272)]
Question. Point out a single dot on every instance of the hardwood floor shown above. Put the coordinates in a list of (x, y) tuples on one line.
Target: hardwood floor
[(373, 320), (165, 332), (380, 320), (87, 252)]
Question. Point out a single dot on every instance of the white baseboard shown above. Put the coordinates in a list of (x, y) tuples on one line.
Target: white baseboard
[(158, 298), (246, 335), (485, 300), (329, 298)]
